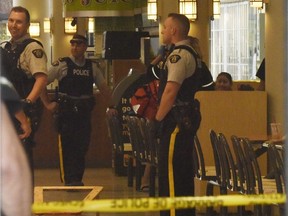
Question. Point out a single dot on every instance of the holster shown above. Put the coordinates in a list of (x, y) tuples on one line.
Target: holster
[(187, 117), (34, 111), (76, 106), (69, 107)]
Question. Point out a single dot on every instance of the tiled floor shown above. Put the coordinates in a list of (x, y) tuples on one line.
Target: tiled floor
[(114, 187)]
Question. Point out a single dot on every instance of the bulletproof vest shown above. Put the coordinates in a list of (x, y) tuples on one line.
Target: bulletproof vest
[(190, 85), (10, 69), (79, 79)]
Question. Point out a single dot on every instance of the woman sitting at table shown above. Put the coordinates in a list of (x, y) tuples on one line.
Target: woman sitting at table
[(223, 82)]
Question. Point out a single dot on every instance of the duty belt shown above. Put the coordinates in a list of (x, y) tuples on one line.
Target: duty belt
[(181, 103), (75, 104), (81, 97)]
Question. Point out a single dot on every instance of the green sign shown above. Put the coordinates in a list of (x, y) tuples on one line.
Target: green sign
[(103, 8)]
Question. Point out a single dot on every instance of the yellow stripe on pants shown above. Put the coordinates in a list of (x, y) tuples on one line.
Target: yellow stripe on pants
[(61, 159), (170, 167)]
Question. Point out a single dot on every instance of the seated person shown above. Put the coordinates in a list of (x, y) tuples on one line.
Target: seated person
[(223, 82)]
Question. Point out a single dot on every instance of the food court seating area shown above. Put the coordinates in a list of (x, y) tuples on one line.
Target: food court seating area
[(233, 129)]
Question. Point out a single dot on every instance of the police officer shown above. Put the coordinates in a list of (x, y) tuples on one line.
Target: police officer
[(76, 76), (23, 62), (178, 83)]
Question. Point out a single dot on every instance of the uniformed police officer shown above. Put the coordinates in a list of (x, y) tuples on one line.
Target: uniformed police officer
[(23, 62), (178, 83), (76, 76)]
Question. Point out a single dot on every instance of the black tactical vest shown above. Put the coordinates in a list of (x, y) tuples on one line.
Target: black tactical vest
[(79, 80), (190, 85), (9, 64)]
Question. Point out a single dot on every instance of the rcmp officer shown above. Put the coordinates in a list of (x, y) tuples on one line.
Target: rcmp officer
[(76, 76), (23, 63), (179, 81)]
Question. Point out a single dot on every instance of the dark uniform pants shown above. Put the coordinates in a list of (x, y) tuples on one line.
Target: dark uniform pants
[(34, 113), (75, 134), (178, 161)]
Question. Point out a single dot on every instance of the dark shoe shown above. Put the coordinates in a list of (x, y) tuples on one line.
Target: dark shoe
[(270, 175), (144, 188), (77, 183), (74, 184)]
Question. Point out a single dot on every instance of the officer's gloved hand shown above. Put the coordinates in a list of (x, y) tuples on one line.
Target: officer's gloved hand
[(26, 103), (111, 111)]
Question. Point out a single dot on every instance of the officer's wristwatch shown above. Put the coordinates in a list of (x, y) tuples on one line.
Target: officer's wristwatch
[(27, 101), (110, 107)]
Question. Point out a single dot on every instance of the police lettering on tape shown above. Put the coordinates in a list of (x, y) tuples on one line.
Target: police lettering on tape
[(155, 204)]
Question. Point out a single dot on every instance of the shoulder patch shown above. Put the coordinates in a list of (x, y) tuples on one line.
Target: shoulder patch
[(55, 63), (38, 53), (174, 58)]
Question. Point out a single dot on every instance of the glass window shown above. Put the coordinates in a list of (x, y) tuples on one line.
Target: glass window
[(4, 33), (236, 40)]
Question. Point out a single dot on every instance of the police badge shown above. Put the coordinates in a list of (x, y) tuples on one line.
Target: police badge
[(38, 53), (174, 58)]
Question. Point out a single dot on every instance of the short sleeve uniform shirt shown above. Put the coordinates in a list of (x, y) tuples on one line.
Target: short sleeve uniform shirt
[(180, 64), (33, 59)]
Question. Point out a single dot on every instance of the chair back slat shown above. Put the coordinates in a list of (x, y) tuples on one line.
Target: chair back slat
[(200, 166), (232, 182), (241, 166), (115, 133), (214, 142), (278, 167), (253, 166)]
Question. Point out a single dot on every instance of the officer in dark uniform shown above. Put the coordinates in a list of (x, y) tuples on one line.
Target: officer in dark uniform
[(76, 76), (179, 81), (23, 62)]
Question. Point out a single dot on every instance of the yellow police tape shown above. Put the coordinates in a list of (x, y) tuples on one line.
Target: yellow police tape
[(155, 204)]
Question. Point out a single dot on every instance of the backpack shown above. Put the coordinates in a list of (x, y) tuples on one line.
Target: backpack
[(145, 101)]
